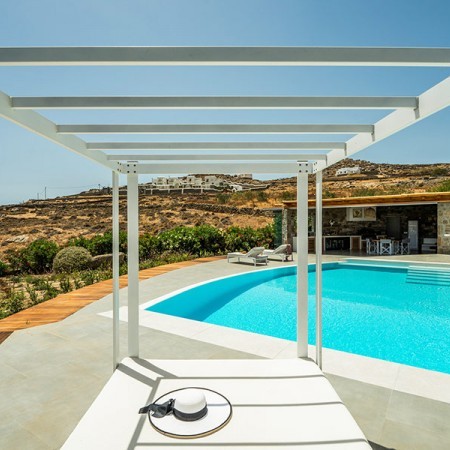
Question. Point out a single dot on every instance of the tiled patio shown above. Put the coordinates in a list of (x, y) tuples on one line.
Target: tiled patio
[(51, 374)]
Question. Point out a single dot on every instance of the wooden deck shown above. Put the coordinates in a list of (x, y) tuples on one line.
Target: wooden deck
[(64, 305)]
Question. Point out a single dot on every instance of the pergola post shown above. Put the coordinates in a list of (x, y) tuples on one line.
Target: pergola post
[(319, 268), (116, 263), (133, 262), (302, 260)]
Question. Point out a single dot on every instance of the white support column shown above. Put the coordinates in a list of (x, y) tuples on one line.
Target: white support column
[(116, 262), (133, 263), (319, 269), (302, 260)]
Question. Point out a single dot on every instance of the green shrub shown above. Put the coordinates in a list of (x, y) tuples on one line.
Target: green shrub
[(365, 192), (94, 276), (439, 172), (65, 285), (33, 294), (245, 238), (262, 196), (103, 244), (14, 260), (442, 187), (149, 247), (328, 194), (197, 241), (71, 259), (210, 240), (100, 244), (50, 291), (3, 268), (288, 195), (14, 302), (79, 242), (38, 256), (223, 198)]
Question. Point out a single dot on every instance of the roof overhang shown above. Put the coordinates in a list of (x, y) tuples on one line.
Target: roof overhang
[(429, 198)]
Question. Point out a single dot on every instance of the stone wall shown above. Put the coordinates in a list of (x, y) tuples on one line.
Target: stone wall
[(443, 231), (335, 222), (288, 219)]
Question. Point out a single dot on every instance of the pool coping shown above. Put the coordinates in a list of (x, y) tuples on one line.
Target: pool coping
[(399, 377)]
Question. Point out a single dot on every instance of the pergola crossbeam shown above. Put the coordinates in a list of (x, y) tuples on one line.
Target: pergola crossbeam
[(430, 102), (212, 102), (236, 167), (215, 145), (225, 56), (221, 157), (45, 128), (216, 129)]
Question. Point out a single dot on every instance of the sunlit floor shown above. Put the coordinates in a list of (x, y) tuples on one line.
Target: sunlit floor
[(50, 375)]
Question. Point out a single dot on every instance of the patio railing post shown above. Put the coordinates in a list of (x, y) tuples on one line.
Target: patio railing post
[(133, 260), (116, 263), (302, 259), (319, 268)]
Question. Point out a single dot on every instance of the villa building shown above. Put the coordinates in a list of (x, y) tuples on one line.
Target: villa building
[(348, 171)]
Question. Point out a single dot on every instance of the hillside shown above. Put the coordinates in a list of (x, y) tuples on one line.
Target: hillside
[(89, 213)]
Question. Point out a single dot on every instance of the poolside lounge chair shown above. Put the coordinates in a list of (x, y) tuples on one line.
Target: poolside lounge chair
[(254, 254), (282, 251)]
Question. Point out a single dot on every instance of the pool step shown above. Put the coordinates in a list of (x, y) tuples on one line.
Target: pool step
[(424, 275)]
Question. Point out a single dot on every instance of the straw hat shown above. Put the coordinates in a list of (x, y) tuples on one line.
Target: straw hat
[(190, 413)]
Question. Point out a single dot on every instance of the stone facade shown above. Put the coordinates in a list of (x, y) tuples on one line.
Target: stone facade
[(288, 223), (443, 229), (335, 222)]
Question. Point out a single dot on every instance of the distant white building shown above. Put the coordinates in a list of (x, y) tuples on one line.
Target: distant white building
[(348, 171)]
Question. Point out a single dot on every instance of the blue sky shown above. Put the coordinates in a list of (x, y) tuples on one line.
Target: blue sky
[(29, 163)]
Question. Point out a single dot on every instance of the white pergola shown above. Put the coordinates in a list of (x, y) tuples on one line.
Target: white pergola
[(300, 158)]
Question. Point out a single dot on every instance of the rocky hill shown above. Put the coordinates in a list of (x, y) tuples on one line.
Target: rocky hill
[(89, 213)]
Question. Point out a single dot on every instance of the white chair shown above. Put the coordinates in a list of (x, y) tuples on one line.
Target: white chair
[(371, 247), (283, 252), (254, 254), (404, 246), (386, 247)]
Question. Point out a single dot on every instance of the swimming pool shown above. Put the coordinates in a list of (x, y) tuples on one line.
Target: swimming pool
[(372, 310)]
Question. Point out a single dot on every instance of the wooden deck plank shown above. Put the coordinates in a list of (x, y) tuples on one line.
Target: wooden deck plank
[(4, 335), (64, 305)]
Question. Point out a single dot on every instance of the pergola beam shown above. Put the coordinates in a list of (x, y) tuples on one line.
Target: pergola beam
[(236, 167), (215, 145), (216, 129), (212, 102), (225, 56), (45, 128), (221, 157), (429, 103)]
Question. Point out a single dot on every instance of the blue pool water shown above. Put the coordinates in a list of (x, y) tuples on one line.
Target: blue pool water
[(370, 311)]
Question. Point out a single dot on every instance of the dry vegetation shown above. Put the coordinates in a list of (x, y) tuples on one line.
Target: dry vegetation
[(87, 214)]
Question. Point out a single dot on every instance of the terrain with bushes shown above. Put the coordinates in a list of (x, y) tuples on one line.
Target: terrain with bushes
[(173, 226), (42, 270)]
